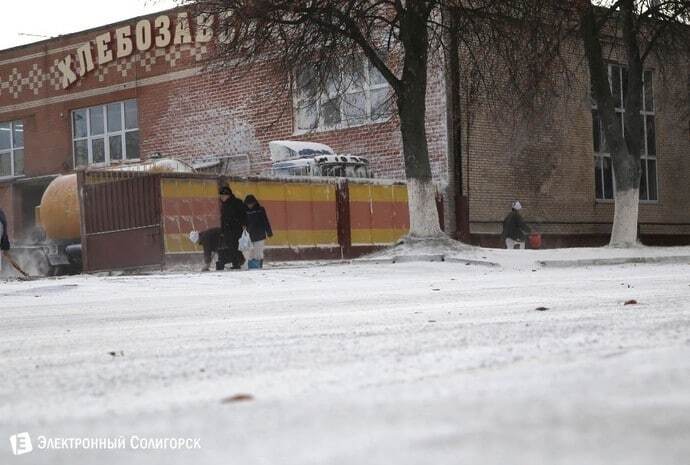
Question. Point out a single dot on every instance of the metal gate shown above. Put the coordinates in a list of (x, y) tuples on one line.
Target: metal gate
[(120, 220)]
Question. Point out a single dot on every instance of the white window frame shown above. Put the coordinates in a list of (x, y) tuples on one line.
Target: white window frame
[(645, 156), (105, 135), (325, 96), (14, 148)]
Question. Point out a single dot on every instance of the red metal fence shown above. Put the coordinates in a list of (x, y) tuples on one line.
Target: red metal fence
[(120, 220)]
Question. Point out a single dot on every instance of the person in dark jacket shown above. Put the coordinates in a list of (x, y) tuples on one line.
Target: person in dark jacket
[(233, 220), (259, 229), (515, 228), (4, 240), (211, 240)]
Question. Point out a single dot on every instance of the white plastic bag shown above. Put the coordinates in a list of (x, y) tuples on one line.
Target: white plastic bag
[(245, 242), (194, 237)]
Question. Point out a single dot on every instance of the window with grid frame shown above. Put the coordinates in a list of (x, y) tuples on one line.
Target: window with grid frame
[(358, 95), (106, 134), (604, 180), (11, 148)]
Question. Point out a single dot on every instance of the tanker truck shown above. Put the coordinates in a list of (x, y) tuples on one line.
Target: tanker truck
[(59, 216)]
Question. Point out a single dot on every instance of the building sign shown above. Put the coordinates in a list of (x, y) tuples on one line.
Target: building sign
[(159, 33)]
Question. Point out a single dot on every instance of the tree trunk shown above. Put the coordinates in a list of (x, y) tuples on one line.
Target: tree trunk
[(411, 99), (625, 152)]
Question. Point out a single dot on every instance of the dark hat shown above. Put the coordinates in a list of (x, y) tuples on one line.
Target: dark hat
[(250, 199), (225, 190)]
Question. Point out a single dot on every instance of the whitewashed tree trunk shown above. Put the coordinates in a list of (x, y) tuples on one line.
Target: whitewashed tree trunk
[(624, 233), (424, 222)]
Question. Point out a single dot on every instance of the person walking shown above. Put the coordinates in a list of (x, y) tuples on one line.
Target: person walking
[(233, 220), (515, 228), (4, 239), (259, 229)]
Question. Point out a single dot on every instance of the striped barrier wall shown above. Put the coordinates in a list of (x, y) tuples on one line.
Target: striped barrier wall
[(379, 213), (302, 215)]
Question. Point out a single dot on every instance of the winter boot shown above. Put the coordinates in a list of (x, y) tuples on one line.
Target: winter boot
[(253, 264), (261, 264)]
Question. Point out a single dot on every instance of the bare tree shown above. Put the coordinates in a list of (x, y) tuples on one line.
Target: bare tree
[(398, 39), (643, 30)]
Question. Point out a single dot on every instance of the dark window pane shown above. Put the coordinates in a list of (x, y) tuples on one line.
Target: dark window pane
[(96, 120), (649, 91), (380, 103), (604, 145), (115, 143), (596, 131), (131, 115), (132, 145), (331, 112), (19, 161), (18, 132), (608, 177), (79, 123), (5, 164), (616, 85), (375, 77), (114, 117), (307, 115), (307, 83), (5, 138), (81, 152), (651, 176), (598, 182), (651, 136), (643, 181), (625, 84), (355, 108), (98, 150)]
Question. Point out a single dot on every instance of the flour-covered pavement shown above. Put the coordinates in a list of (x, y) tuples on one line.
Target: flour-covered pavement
[(415, 363)]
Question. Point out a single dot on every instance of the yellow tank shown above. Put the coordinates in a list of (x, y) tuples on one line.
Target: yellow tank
[(59, 210)]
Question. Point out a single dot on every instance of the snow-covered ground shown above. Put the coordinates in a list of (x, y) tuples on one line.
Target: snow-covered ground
[(409, 363)]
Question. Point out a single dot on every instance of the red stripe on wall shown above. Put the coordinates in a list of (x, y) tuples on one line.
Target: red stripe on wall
[(301, 215), (379, 215)]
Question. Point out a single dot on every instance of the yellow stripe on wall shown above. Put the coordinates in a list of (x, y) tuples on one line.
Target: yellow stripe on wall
[(376, 236), (368, 193), (297, 237), (278, 191), (180, 243), (189, 188)]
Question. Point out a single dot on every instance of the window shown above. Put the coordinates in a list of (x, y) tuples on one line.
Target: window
[(360, 96), (106, 134), (11, 148), (603, 168)]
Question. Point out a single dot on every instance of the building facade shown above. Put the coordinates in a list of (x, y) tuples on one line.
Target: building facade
[(143, 88)]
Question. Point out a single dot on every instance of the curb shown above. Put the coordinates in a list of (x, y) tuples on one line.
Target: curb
[(424, 258), (613, 261)]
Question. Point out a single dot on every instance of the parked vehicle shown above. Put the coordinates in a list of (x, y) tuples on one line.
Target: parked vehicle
[(294, 158), (60, 218)]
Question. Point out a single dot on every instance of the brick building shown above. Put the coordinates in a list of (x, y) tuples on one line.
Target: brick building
[(141, 88)]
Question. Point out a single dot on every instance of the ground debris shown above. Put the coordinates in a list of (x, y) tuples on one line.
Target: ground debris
[(237, 398), (541, 309), (630, 302), (120, 353)]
